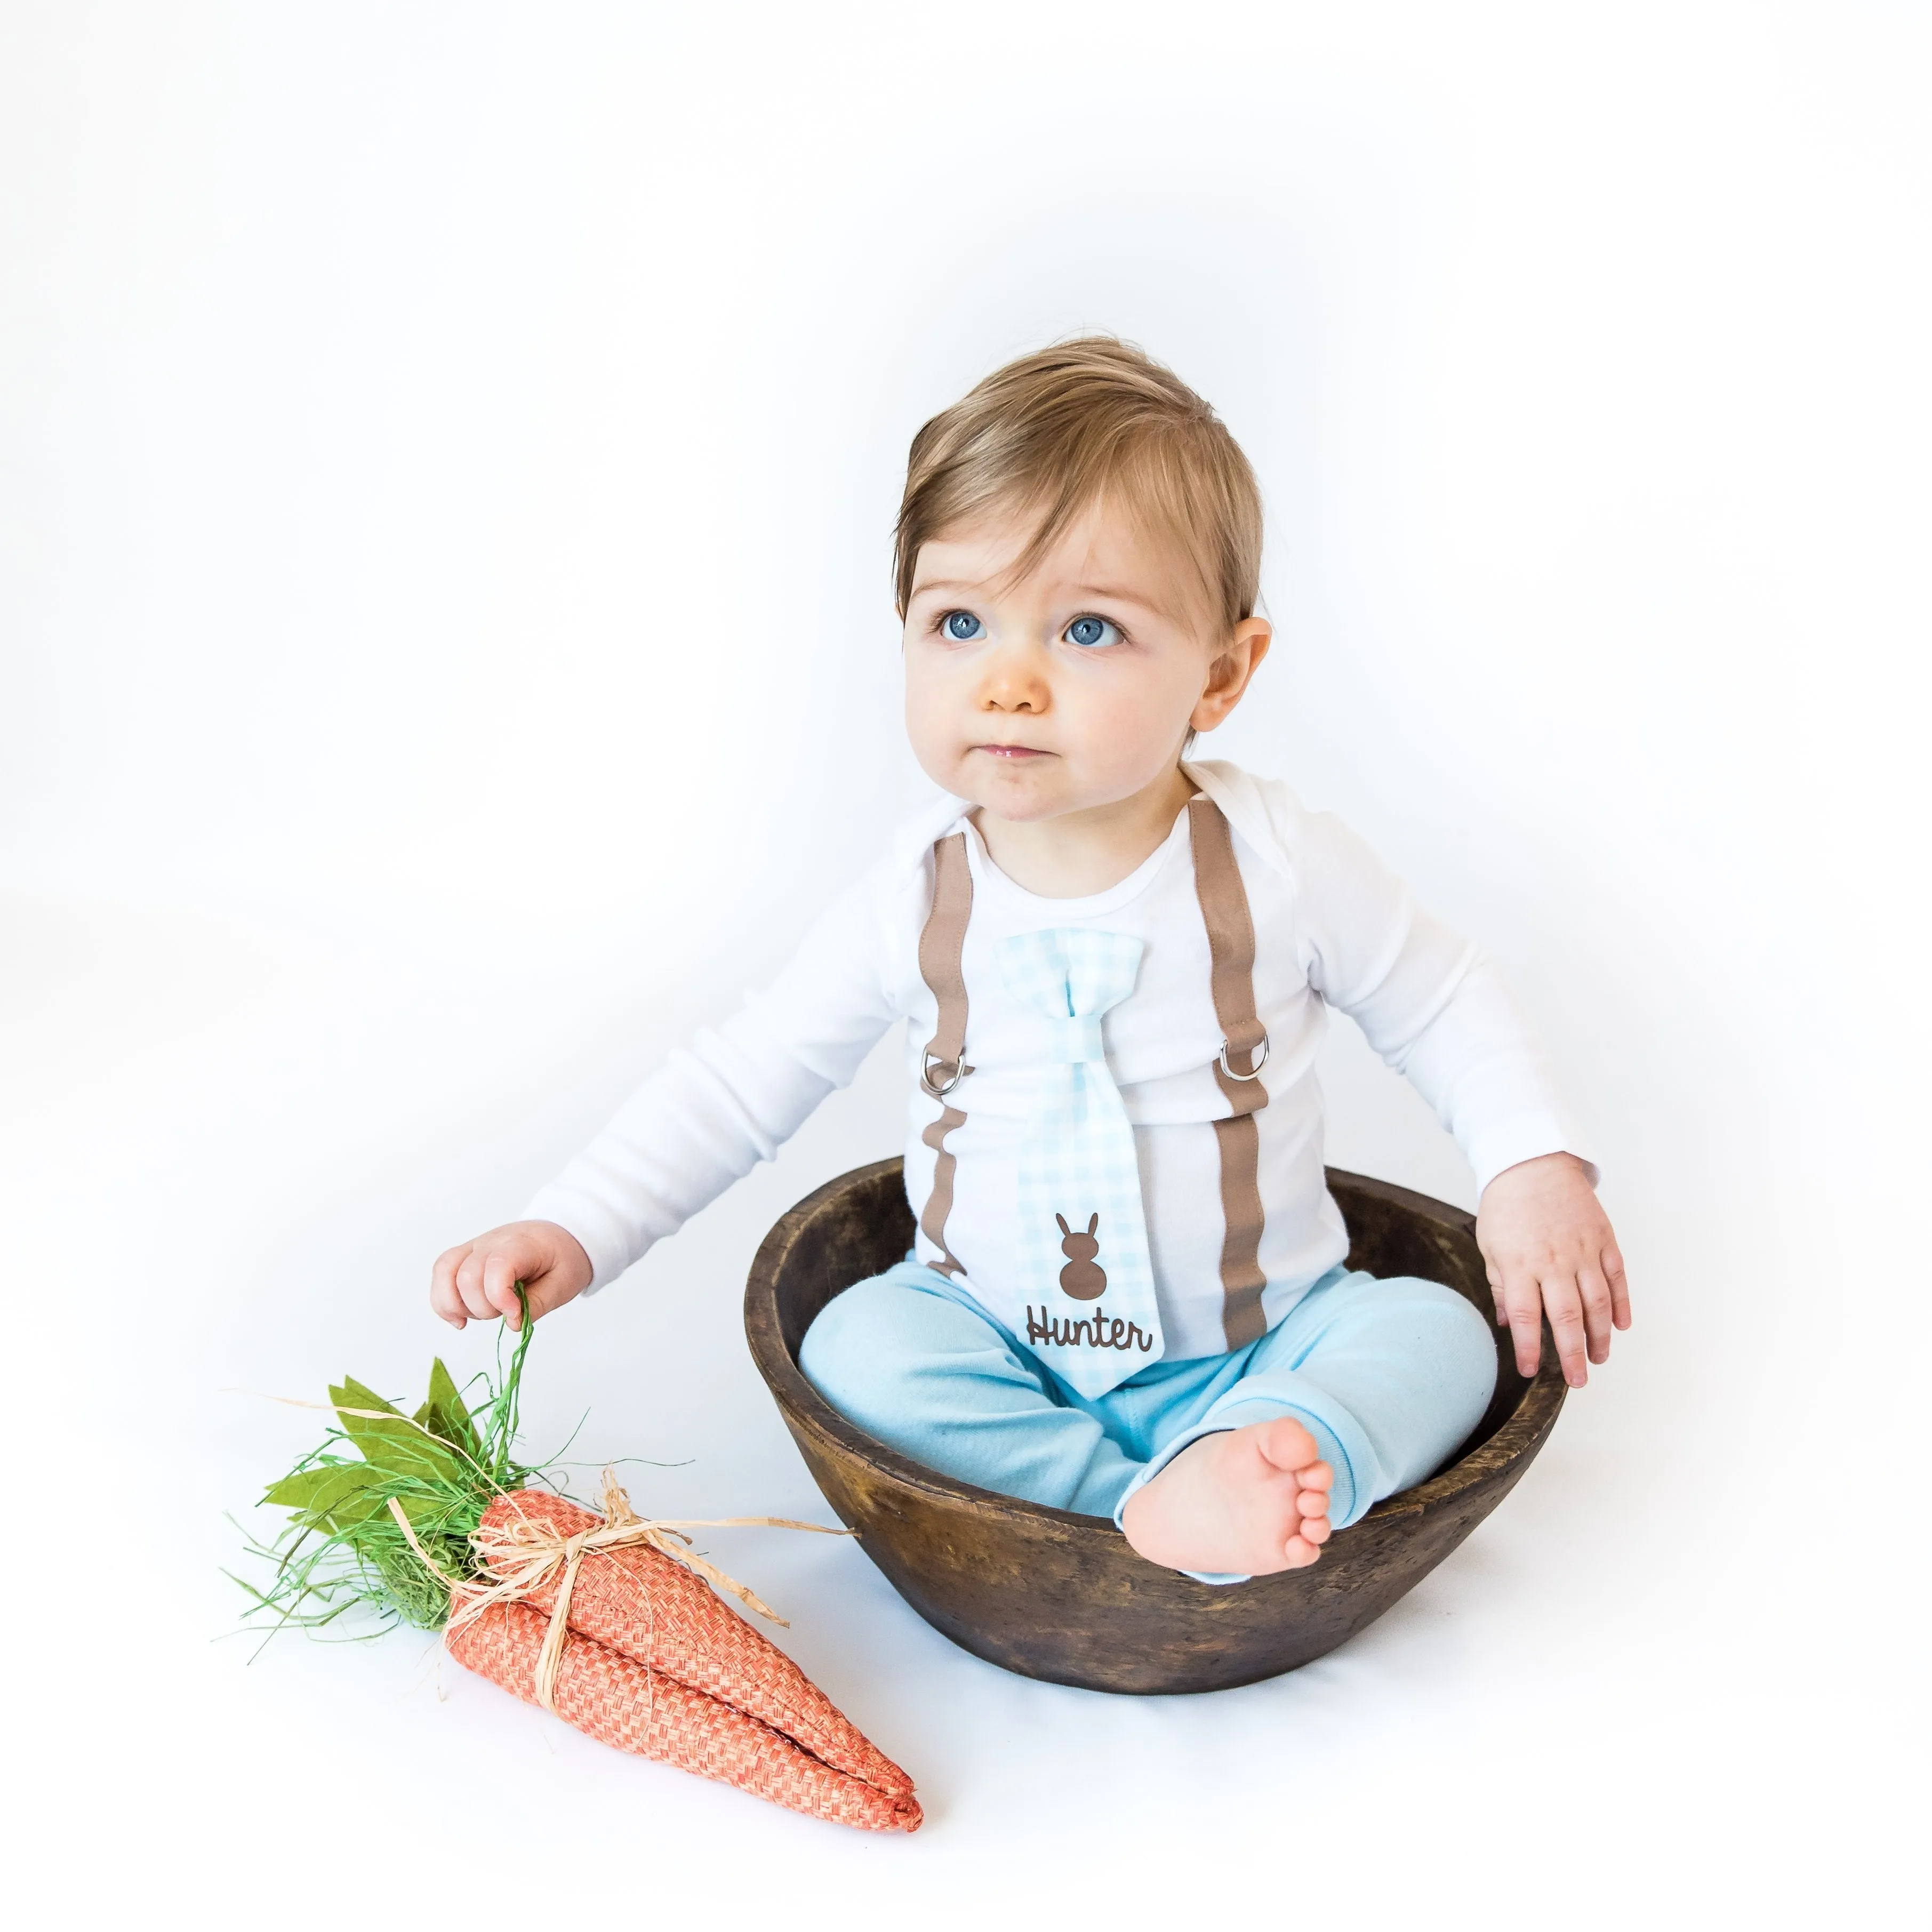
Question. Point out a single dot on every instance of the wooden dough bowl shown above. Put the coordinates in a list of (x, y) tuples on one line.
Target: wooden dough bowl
[(1051, 1594)]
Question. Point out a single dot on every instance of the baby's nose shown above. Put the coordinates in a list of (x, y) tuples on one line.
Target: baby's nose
[(1013, 682)]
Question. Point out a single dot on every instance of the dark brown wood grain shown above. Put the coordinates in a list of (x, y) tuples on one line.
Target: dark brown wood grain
[(1055, 1595)]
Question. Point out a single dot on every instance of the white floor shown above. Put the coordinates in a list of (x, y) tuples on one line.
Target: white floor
[(244, 1136)]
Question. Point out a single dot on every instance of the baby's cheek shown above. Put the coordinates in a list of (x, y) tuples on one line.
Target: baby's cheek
[(941, 762), (932, 726), (1126, 736)]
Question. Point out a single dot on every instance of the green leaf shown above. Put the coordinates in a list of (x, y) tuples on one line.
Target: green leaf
[(361, 1507), (321, 1488), (397, 1448), (332, 1497), (444, 1415)]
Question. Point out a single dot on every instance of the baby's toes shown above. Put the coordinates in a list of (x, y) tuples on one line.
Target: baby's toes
[(1313, 1527)]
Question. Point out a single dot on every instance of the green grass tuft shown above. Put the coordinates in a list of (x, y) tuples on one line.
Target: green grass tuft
[(344, 1554)]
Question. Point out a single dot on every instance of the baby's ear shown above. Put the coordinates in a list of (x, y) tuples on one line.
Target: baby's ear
[(1063, 1228), (1094, 1225)]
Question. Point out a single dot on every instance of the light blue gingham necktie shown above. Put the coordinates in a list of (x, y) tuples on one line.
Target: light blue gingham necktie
[(1091, 1316)]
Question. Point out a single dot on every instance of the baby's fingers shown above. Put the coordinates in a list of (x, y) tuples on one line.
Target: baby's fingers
[(501, 1274), (444, 1298), (469, 1285), (1522, 1303), (1596, 1293), (1564, 1301), (1613, 1274)]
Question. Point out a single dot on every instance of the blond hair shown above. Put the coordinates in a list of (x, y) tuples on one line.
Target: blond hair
[(1048, 435)]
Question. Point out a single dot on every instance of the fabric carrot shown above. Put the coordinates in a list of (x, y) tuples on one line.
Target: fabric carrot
[(611, 1621), (654, 1663)]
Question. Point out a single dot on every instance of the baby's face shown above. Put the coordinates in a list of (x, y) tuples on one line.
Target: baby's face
[(1073, 688)]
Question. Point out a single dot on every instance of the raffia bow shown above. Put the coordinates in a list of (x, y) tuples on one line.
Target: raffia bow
[(524, 1555)]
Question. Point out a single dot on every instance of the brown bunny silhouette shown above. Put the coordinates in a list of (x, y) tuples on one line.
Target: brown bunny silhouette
[(1080, 1277)]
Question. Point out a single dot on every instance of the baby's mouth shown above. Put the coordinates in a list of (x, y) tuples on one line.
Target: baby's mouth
[(1018, 753)]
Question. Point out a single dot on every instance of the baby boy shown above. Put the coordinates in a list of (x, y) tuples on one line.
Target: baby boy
[(1128, 1294)]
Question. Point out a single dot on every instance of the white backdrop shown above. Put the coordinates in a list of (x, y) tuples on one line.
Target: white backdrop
[(447, 456)]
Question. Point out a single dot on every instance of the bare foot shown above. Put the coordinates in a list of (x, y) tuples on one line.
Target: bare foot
[(1249, 1500)]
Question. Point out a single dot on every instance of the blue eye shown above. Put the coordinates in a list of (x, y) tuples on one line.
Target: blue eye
[(962, 626), (1089, 631)]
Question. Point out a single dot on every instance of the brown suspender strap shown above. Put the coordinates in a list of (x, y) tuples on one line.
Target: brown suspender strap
[(1231, 946), (941, 944), (939, 1202)]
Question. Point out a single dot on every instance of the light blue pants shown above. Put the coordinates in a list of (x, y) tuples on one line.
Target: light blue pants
[(1389, 1377)]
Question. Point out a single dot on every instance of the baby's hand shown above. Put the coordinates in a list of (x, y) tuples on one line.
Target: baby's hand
[(1547, 1243), (480, 1277)]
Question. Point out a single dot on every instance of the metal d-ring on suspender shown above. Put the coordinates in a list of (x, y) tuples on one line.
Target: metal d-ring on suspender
[(1231, 947), (942, 942), (1221, 1060)]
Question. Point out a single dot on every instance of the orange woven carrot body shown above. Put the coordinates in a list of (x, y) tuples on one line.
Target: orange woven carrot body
[(657, 1663)]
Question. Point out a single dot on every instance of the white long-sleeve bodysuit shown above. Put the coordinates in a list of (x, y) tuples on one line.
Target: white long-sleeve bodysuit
[(1331, 926)]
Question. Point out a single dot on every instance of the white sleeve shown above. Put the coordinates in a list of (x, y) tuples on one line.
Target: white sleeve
[(1430, 1004), (731, 1097)]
